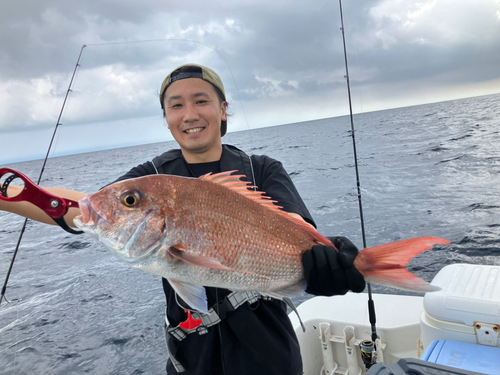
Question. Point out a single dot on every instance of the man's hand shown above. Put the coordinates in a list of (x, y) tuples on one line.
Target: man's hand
[(329, 272)]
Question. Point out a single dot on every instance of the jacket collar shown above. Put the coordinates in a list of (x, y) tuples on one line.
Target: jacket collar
[(232, 158)]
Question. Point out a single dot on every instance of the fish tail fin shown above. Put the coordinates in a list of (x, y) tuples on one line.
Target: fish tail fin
[(385, 264)]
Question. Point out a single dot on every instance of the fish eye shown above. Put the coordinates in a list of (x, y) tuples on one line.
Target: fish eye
[(130, 198)]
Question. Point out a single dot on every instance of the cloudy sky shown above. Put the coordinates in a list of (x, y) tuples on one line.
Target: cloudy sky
[(281, 62)]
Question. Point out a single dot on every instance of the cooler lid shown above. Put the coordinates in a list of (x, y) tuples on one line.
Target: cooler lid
[(470, 293)]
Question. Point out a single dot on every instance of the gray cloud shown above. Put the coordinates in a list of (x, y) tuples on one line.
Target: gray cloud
[(288, 52)]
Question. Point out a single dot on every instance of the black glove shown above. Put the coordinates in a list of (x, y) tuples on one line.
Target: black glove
[(329, 272)]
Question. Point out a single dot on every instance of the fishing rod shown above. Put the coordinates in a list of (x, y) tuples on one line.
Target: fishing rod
[(54, 203), (371, 305)]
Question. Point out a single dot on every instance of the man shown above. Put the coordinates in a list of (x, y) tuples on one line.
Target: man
[(244, 333)]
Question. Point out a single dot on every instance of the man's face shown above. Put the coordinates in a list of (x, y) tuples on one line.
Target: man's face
[(194, 114)]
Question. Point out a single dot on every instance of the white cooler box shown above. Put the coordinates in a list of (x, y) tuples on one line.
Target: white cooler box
[(466, 309)]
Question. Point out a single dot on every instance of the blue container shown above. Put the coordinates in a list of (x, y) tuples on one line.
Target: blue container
[(410, 366), (471, 357)]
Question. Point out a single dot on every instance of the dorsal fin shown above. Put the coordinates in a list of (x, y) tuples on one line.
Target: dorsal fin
[(242, 187), (235, 183)]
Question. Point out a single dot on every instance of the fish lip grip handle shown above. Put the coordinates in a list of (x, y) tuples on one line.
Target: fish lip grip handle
[(54, 206)]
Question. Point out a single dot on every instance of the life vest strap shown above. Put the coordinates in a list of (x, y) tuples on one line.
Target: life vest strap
[(216, 313)]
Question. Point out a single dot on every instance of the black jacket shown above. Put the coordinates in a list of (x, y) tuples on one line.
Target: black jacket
[(254, 339)]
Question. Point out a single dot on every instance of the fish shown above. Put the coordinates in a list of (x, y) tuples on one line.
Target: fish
[(218, 231)]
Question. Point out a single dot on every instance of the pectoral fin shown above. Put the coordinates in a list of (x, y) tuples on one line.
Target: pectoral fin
[(177, 251), (203, 261)]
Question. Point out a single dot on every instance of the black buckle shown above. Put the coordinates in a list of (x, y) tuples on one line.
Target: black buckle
[(223, 307)]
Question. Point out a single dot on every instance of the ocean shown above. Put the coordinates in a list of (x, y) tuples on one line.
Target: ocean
[(427, 170)]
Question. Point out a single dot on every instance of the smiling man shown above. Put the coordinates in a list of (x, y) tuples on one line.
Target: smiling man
[(244, 333), (194, 111)]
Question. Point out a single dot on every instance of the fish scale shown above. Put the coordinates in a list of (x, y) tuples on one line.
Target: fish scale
[(246, 252), (238, 231)]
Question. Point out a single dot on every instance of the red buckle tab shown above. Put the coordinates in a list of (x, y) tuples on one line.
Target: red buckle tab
[(190, 322)]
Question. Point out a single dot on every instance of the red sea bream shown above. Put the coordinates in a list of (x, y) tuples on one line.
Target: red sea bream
[(215, 231)]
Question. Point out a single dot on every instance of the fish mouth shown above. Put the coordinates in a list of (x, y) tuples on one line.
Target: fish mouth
[(89, 218), (123, 244)]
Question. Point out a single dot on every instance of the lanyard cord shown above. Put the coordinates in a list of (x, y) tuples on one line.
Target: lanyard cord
[(371, 305), (4, 288)]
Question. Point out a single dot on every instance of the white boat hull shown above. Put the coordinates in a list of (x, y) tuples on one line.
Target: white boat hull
[(398, 325)]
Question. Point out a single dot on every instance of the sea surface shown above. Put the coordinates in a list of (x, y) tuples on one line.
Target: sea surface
[(428, 170)]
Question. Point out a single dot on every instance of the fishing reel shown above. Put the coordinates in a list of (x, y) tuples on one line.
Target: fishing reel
[(368, 353)]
